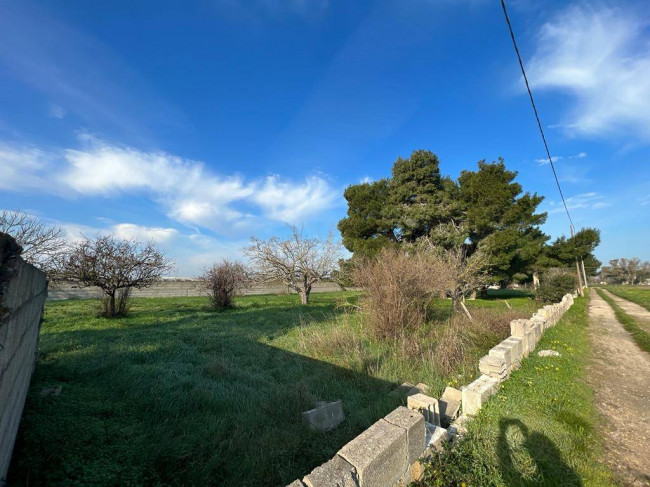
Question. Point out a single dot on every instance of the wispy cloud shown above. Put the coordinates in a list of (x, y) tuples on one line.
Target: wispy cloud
[(588, 201), (544, 160), (601, 56), (187, 190)]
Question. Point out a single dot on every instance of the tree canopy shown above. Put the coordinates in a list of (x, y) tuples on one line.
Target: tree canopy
[(484, 210)]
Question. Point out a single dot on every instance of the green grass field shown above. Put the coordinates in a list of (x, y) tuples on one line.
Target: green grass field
[(637, 294), (177, 394), (541, 428)]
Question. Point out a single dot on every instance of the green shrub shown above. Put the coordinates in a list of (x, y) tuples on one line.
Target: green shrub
[(553, 287)]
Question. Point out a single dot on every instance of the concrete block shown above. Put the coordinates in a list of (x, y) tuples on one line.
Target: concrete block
[(379, 455), (449, 405), (518, 328), (517, 350), (427, 405), (451, 394), (335, 473), (494, 367), (413, 423), (324, 418), (438, 438), (477, 393), (503, 351)]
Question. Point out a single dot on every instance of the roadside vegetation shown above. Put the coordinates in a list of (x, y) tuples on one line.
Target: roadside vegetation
[(637, 294), (640, 336), (176, 393), (541, 428)]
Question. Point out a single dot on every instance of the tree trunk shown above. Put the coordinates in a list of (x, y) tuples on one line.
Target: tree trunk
[(111, 304), (304, 296), (472, 296), (536, 280)]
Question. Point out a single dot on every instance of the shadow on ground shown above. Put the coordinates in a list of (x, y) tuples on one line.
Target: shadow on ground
[(183, 398), (551, 469)]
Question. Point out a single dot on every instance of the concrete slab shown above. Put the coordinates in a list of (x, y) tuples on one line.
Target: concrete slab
[(324, 418)]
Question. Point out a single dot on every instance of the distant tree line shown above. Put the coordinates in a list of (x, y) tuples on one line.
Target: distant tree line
[(626, 271)]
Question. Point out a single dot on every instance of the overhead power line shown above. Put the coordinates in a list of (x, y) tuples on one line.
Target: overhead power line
[(532, 101)]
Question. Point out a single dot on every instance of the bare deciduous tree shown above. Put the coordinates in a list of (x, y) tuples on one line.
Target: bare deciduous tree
[(459, 274), (41, 243), (223, 281), (299, 262), (115, 266)]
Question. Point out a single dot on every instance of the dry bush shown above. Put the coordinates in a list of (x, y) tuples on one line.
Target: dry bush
[(461, 340), (397, 289), (224, 281)]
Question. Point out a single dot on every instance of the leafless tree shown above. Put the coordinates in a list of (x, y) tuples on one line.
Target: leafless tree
[(41, 243), (224, 281), (459, 273), (114, 265), (298, 261)]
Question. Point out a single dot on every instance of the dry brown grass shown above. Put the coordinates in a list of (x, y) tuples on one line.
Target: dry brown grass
[(397, 288), (461, 339)]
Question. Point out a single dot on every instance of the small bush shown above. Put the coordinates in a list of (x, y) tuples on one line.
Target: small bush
[(224, 281), (397, 291), (554, 286)]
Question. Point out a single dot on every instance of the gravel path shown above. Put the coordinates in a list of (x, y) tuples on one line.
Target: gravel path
[(620, 376), (639, 313)]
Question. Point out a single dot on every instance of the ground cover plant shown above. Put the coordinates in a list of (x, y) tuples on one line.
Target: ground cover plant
[(541, 428), (637, 294), (177, 394), (640, 336)]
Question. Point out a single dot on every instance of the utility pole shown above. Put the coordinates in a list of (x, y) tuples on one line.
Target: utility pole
[(584, 274), (581, 291)]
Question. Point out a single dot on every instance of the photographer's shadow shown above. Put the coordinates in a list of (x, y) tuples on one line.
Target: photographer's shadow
[(552, 469)]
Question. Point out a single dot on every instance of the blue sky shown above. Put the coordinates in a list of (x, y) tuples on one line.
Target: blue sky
[(199, 124)]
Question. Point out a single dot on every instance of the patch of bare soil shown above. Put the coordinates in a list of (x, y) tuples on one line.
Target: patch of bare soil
[(620, 376), (639, 313)]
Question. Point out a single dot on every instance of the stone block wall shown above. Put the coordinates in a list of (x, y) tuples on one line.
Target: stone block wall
[(388, 453), (23, 290)]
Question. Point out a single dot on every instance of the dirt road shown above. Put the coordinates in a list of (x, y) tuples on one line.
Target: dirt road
[(639, 313), (620, 376)]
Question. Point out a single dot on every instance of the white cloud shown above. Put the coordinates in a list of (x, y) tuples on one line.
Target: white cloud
[(187, 190), (132, 231), (290, 202), (601, 56), (589, 201), (544, 160), (20, 165)]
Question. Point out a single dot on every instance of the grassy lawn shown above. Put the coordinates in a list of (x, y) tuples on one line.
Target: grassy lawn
[(637, 294), (541, 428), (176, 394), (640, 336)]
